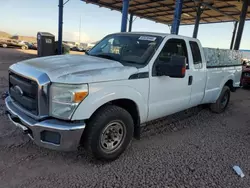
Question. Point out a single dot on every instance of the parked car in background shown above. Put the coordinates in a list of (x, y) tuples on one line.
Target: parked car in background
[(70, 44), (101, 99), (81, 49), (245, 77), (11, 43), (65, 48), (31, 45), (78, 49), (89, 46)]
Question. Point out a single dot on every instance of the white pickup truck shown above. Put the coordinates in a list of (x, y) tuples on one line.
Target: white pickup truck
[(100, 100)]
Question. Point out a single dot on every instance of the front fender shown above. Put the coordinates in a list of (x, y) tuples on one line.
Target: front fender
[(98, 96)]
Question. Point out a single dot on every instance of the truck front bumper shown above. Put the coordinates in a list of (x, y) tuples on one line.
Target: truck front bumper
[(50, 133)]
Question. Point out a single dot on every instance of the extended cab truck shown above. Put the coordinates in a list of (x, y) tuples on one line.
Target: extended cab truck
[(100, 99)]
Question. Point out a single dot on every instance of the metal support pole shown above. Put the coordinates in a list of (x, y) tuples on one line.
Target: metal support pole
[(241, 25), (177, 17), (233, 37), (125, 5), (130, 22), (197, 21), (60, 27)]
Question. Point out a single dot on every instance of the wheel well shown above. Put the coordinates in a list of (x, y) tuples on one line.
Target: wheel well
[(130, 106), (229, 83), (132, 109)]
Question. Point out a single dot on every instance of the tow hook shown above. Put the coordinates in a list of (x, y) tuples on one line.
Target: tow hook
[(4, 95)]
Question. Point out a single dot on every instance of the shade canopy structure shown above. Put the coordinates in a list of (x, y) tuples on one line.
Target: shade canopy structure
[(175, 13), (162, 11)]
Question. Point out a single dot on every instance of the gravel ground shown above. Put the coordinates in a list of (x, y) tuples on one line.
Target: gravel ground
[(192, 149)]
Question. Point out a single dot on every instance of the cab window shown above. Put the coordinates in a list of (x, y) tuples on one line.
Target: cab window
[(173, 47)]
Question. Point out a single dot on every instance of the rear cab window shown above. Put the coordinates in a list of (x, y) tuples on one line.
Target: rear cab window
[(196, 54)]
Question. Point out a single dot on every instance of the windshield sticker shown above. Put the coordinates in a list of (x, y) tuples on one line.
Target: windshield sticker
[(148, 38)]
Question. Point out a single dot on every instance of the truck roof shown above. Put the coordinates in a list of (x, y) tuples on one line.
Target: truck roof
[(152, 33)]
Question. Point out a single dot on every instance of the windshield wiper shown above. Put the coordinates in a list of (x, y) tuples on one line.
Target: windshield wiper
[(133, 62), (106, 56)]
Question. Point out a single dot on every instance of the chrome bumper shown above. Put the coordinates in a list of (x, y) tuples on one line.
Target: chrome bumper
[(50, 133)]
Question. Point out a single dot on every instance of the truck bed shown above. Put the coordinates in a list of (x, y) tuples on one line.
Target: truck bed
[(218, 75), (222, 57)]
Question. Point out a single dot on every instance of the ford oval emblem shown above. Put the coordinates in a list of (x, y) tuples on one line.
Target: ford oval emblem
[(18, 90)]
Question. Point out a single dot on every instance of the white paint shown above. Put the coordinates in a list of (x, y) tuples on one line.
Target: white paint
[(102, 93), (76, 69), (155, 97), (216, 78), (199, 73), (167, 95)]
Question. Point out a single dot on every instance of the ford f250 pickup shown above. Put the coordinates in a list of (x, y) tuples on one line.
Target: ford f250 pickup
[(100, 99)]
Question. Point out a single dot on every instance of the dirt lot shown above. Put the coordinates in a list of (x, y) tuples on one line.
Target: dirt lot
[(194, 151)]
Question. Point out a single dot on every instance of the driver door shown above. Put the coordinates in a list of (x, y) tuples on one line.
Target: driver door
[(169, 95)]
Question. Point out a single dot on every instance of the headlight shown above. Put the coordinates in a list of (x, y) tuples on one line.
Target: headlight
[(64, 99)]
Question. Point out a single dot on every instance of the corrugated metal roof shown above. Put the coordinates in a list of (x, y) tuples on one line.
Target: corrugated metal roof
[(162, 11)]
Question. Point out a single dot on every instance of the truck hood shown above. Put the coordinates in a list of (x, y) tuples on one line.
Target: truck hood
[(79, 68)]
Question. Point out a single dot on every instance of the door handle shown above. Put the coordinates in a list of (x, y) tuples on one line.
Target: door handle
[(190, 80)]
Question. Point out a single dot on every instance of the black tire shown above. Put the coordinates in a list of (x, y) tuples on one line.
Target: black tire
[(100, 122), (222, 102)]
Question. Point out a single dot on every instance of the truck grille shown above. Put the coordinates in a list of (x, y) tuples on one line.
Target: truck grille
[(24, 92)]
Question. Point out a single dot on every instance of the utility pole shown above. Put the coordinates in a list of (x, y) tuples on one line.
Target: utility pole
[(80, 29)]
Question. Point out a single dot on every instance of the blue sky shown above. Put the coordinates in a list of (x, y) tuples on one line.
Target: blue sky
[(26, 17)]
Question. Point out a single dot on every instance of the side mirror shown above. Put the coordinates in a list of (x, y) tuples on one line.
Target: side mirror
[(176, 68)]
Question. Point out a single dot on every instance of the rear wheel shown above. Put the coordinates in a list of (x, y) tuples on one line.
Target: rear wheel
[(109, 132), (222, 102), (5, 45)]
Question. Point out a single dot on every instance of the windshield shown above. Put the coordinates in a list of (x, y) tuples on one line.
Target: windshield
[(127, 48)]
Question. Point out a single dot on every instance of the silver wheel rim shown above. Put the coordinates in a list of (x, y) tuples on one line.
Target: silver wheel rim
[(112, 136)]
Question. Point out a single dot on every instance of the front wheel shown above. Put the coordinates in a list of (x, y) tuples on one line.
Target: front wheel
[(109, 132), (5, 45), (222, 102), (24, 47)]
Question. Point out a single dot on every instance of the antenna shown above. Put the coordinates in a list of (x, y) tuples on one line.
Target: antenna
[(80, 30)]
